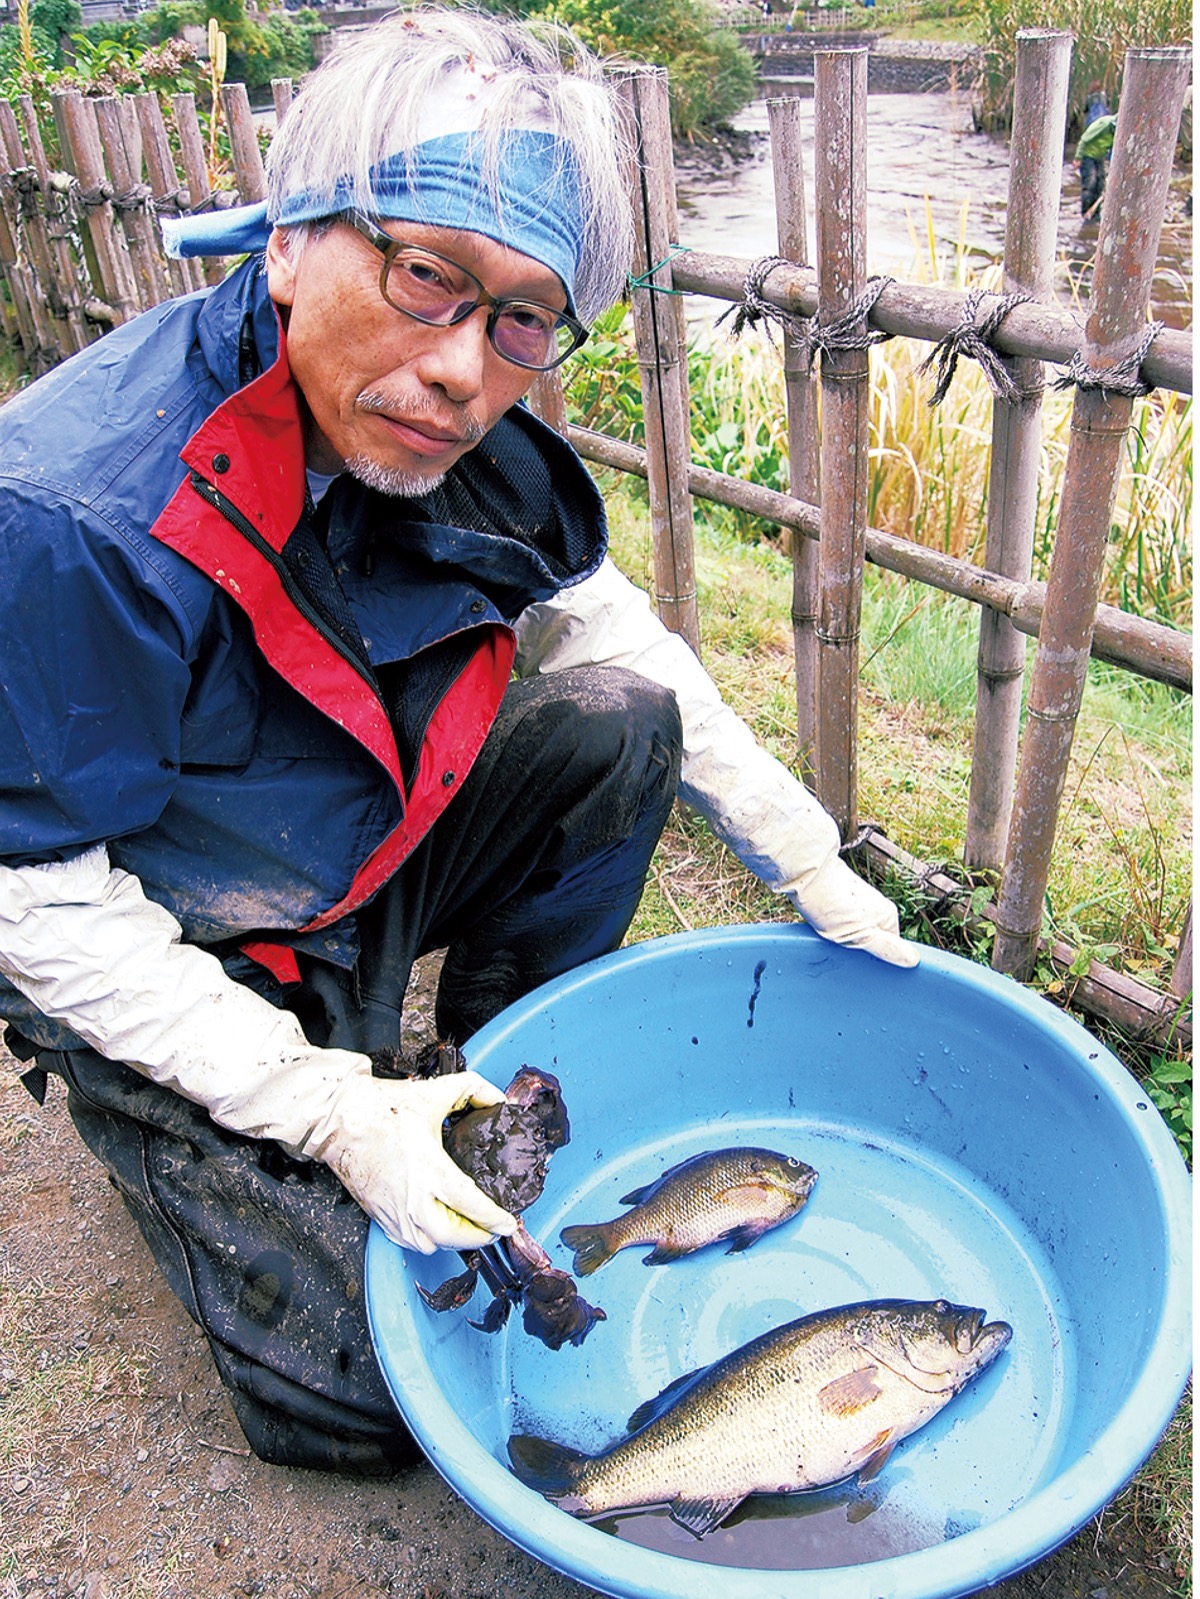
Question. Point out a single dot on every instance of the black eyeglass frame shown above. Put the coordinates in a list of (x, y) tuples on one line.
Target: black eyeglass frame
[(388, 247)]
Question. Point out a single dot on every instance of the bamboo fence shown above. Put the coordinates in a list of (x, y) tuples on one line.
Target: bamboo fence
[(1015, 792), (80, 254)]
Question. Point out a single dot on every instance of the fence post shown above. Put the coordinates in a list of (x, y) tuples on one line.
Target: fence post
[(1143, 151), (195, 169), (804, 473), (1030, 244), (281, 97), (131, 201), (20, 283), (56, 217), (243, 142), (164, 184), (840, 183), (56, 333), (81, 145), (662, 351)]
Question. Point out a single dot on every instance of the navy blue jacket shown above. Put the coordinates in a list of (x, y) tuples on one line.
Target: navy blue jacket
[(258, 708)]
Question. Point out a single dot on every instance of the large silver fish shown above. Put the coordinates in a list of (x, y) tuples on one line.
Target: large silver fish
[(737, 1194), (805, 1405)]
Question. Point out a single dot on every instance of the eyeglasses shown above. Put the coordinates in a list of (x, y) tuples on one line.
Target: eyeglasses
[(435, 290)]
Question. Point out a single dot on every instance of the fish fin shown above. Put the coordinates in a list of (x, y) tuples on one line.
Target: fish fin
[(748, 1233), (853, 1391), (553, 1469), (700, 1516), (664, 1252), (639, 1196), (591, 1245), (881, 1448), (650, 1409)]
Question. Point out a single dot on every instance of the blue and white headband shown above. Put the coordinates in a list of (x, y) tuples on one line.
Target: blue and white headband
[(526, 195)]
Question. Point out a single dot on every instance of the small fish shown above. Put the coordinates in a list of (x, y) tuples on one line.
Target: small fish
[(803, 1406), (737, 1194)]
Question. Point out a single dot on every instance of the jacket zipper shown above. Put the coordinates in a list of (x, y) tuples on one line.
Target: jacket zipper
[(212, 496)]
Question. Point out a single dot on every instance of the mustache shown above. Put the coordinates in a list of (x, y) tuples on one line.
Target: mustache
[(448, 417)]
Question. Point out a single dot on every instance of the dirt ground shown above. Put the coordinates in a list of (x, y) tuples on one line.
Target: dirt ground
[(123, 1473)]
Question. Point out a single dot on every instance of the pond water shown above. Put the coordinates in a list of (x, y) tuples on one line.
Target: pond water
[(927, 170)]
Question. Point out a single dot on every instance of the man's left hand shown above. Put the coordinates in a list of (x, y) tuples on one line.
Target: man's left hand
[(842, 907)]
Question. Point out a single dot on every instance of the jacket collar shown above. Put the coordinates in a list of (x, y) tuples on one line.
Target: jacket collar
[(520, 512)]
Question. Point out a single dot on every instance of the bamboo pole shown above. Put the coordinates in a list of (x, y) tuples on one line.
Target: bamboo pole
[(281, 97), (243, 142), (131, 199), (164, 184), (1182, 976), (662, 351), (1124, 640), (195, 169), (804, 443), (916, 311), (1155, 82), (1030, 245), (18, 279), (546, 400), (81, 144), (56, 337), (840, 109), (56, 213)]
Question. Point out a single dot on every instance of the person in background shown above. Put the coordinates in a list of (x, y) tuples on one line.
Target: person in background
[(1091, 157), (1097, 102), (314, 662)]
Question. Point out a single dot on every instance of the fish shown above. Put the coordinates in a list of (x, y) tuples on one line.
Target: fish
[(805, 1405), (505, 1149), (737, 1194)]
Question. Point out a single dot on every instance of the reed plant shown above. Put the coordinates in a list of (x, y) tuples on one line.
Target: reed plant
[(1104, 30)]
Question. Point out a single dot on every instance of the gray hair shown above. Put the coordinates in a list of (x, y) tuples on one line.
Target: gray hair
[(376, 95)]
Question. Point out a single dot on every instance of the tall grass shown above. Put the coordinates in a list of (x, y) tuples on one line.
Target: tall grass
[(1104, 30)]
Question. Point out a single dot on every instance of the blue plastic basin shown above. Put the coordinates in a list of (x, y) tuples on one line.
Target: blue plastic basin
[(972, 1142)]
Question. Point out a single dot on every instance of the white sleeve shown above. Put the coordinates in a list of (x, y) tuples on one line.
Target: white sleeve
[(764, 814), (80, 939)]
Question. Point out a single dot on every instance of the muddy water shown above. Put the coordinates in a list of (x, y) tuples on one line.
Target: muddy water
[(927, 170)]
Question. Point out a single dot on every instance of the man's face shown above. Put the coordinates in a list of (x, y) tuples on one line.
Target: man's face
[(393, 400)]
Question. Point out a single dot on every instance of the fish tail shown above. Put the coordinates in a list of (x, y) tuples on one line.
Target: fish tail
[(550, 1468), (592, 1245)]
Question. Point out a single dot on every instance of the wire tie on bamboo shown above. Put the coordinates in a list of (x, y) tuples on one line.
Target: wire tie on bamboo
[(175, 203), (92, 199), (973, 337), (1123, 377), (643, 282)]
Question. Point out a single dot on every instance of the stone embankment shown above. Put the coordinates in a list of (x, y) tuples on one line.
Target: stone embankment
[(894, 66)]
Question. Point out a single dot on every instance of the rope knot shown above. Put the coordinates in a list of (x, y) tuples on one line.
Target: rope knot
[(1123, 377), (973, 337)]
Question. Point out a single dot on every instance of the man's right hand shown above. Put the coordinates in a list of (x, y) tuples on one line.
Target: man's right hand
[(382, 1137)]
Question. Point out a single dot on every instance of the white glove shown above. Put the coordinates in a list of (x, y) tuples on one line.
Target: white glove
[(383, 1138), (753, 804), (839, 905), (81, 940)]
